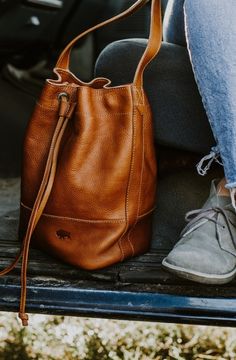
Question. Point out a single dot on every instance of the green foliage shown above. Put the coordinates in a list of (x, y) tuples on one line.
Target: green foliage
[(65, 338), (14, 347), (96, 349)]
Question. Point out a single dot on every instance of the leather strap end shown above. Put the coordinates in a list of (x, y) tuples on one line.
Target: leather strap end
[(24, 319)]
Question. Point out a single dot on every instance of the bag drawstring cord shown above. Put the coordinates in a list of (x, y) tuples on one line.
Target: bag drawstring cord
[(65, 112)]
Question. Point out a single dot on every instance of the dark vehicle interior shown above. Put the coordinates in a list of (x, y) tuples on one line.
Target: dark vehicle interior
[(32, 35)]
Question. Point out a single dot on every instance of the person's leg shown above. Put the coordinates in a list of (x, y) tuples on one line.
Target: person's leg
[(211, 37), (207, 249)]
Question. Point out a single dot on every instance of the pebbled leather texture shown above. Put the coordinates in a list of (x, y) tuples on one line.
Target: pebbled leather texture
[(89, 168), (105, 180)]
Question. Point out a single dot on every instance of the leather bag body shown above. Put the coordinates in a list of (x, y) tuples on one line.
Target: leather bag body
[(89, 169), (99, 209)]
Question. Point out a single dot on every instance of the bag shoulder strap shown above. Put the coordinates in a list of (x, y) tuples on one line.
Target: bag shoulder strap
[(153, 46)]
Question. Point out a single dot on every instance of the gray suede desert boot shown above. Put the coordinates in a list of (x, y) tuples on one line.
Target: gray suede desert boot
[(206, 252)]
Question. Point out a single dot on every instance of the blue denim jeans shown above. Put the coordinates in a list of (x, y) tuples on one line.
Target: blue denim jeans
[(211, 37)]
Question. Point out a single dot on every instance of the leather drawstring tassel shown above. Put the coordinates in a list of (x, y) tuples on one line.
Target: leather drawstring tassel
[(65, 112)]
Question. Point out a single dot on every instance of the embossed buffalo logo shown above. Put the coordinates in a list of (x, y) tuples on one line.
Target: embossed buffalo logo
[(63, 235)]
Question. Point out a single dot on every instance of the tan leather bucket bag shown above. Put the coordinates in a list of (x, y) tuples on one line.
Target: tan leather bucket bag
[(89, 167)]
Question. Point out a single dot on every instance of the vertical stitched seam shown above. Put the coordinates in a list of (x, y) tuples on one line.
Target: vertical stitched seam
[(140, 96), (132, 161), (141, 183), (140, 187), (131, 245), (132, 164), (130, 176)]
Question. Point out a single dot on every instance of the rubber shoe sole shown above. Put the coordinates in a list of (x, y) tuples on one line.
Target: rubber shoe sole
[(199, 277)]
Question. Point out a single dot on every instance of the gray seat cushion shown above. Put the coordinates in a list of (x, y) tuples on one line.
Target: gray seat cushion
[(16, 107), (179, 117)]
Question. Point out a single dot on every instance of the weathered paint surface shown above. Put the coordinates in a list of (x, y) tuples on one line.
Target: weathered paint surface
[(136, 289)]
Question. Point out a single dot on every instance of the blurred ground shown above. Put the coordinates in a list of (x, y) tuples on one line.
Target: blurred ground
[(57, 338)]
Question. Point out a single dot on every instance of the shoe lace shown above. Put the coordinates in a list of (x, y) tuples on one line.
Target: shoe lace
[(194, 218)]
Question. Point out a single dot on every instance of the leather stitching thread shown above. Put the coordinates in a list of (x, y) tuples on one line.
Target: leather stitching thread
[(130, 179), (109, 89), (139, 95), (140, 187), (50, 108), (102, 117), (141, 183), (131, 169), (84, 220), (134, 151), (127, 192), (75, 219)]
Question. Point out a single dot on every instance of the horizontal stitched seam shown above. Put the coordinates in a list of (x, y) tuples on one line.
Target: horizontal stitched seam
[(54, 83), (102, 117), (48, 107), (74, 219), (106, 89), (92, 221)]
